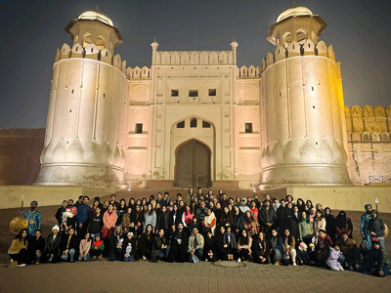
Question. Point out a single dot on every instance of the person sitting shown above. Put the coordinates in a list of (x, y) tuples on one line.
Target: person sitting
[(363, 262), (196, 246), (18, 250), (69, 246), (312, 255), (332, 260), (145, 243), (36, 247), (376, 227), (260, 249), (322, 247), (97, 248), (159, 246), (129, 247), (288, 247), (210, 247), (349, 249), (229, 244), (116, 240), (275, 247), (85, 247), (53, 245), (179, 244), (380, 261), (302, 254), (244, 246), (209, 222)]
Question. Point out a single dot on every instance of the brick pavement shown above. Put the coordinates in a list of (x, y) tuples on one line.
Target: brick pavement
[(142, 276)]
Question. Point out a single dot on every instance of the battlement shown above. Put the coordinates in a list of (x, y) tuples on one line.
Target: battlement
[(368, 124), (194, 58), (295, 49), (245, 72), (92, 52)]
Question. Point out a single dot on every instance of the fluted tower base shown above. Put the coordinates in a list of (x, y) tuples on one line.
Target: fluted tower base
[(299, 175), (87, 175)]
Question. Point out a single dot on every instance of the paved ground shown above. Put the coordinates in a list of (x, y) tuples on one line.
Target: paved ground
[(141, 276)]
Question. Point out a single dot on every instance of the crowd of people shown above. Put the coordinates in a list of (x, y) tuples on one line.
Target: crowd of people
[(205, 227)]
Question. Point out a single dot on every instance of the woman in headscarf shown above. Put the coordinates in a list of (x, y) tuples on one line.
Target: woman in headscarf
[(209, 222), (343, 224), (330, 223)]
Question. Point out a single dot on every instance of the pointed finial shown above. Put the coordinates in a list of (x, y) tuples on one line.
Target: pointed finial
[(97, 8), (154, 40), (294, 3), (234, 39)]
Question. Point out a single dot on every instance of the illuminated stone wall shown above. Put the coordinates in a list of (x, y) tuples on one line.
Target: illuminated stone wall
[(369, 136)]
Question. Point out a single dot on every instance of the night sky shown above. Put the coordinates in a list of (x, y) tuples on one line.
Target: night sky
[(31, 31)]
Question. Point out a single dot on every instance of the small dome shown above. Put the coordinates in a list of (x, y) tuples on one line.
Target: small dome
[(294, 11), (94, 15)]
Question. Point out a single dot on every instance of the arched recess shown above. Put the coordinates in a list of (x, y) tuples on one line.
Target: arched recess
[(205, 133), (193, 164), (139, 94)]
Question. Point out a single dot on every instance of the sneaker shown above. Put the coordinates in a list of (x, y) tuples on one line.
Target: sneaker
[(239, 260), (206, 260), (277, 263), (294, 264), (100, 256), (21, 265), (144, 258)]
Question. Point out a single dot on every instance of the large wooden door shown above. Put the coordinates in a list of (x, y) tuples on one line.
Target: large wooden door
[(193, 165)]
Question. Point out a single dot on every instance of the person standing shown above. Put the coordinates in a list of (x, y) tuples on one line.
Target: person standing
[(96, 223), (376, 227), (83, 212), (34, 219), (109, 220), (59, 212), (267, 217), (364, 222)]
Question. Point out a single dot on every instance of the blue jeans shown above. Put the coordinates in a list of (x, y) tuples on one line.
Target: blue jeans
[(71, 254), (198, 253), (381, 241), (86, 258), (129, 258)]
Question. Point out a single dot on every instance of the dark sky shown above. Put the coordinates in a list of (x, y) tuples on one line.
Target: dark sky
[(31, 31)]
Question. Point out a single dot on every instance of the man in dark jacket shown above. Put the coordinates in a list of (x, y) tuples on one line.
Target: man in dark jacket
[(376, 227), (282, 212), (53, 245), (179, 243), (69, 246), (201, 212), (267, 217), (96, 223), (163, 220), (83, 212), (159, 246), (59, 212)]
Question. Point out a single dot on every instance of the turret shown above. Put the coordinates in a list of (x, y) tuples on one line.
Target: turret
[(85, 140), (302, 110)]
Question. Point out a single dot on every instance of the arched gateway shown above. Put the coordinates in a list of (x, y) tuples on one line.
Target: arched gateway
[(192, 165)]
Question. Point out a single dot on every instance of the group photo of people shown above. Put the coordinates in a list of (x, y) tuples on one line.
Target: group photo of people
[(209, 227)]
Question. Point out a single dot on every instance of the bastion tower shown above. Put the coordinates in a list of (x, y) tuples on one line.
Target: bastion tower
[(303, 138), (85, 130)]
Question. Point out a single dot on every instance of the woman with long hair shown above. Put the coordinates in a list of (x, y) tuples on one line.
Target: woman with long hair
[(36, 247), (150, 218), (187, 216), (260, 249), (129, 221), (250, 224), (18, 249), (244, 246), (319, 224), (275, 247), (306, 229), (84, 248), (132, 203), (226, 218), (300, 204), (210, 248), (145, 243), (288, 247)]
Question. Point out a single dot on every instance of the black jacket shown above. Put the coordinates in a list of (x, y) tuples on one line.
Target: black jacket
[(125, 244), (74, 243), (267, 216), (171, 221), (145, 243), (96, 224), (163, 221), (377, 226), (58, 214), (53, 245), (35, 244), (158, 242), (183, 237), (260, 248)]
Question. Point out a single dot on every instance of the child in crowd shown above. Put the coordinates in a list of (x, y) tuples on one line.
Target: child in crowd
[(302, 254), (312, 255), (332, 260)]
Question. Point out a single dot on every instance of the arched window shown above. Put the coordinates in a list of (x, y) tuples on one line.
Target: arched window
[(287, 37), (87, 39), (193, 123), (100, 42), (301, 36)]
